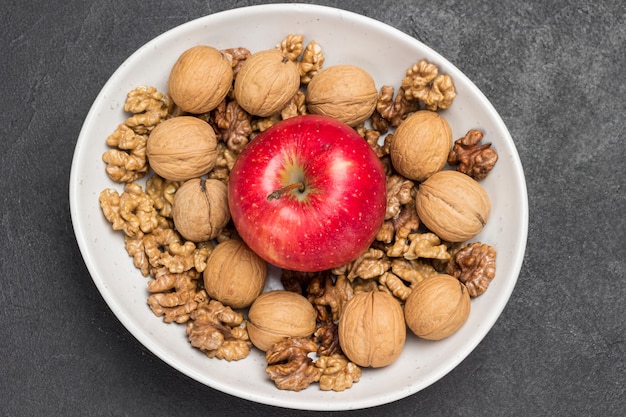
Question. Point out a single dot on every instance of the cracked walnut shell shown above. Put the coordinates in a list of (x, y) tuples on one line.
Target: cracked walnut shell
[(200, 209), (453, 205), (278, 315), (182, 148), (344, 92), (420, 145), (371, 329), (266, 82), (437, 307), (200, 79), (234, 274)]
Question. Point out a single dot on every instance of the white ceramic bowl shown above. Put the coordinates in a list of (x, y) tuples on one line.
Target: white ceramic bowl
[(345, 38)]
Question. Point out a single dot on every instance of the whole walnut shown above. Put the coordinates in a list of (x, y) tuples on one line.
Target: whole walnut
[(371, 329), (345, 92), (182, 148), (266, 82), (200, 209), (437, 307), (453, 205), (234, 274), (278, 315), (200, 79), (420, 145)]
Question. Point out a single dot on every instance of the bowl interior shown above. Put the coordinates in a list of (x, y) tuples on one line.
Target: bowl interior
[(345, 38)]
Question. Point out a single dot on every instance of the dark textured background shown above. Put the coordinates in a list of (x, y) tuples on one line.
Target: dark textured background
[(555, 71)]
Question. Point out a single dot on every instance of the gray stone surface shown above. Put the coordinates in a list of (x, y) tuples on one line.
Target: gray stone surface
[(555, 71)]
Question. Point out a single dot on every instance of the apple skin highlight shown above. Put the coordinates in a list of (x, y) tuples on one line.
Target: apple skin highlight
[(308, 194)]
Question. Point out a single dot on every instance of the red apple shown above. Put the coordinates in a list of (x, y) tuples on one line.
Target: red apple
[(308, 194)]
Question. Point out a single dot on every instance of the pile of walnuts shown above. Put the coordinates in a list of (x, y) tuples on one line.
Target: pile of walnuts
[(220, 115)]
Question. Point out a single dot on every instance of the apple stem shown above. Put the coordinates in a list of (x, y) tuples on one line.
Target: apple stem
[(282, 191)]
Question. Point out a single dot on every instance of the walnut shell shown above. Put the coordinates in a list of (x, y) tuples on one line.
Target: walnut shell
[(200, 79), (453, 205), (200, 209), (277, 315), (437, 307), (266, 82), (234, 274), (371, 329), (345, 92), (420, 145), (182, 148)]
